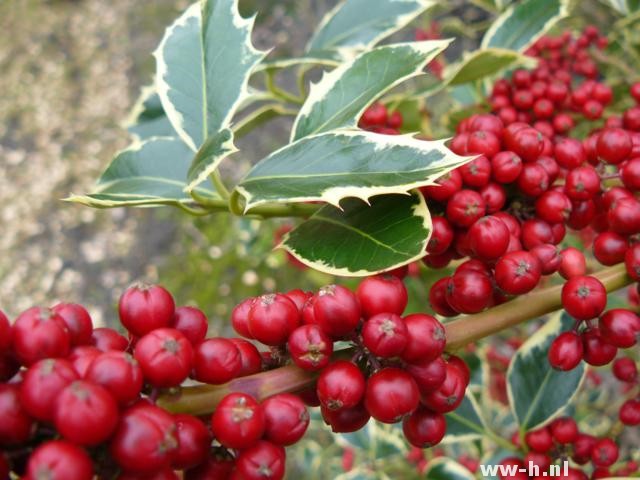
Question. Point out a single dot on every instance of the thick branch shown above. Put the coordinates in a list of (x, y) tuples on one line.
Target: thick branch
[(202, 399)]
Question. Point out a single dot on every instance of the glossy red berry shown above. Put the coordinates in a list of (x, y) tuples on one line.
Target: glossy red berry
[(240, 317), (119, 373), (604, 453), (143, 308), (42, 384), (438, 298), (424, 428), (624, 216), (632, 261), (375, 115), (165, 356), (286, 419), (216, 361), (385, 335), (192, 323), (429, 375), (469, 291), (78, 322), (5, 333), (476, 173), (506, 167), (59, 460), (570, 153), (584, 297), (582, 183), (536, 232), (441, 236), (106, 339), (548, 256), (238, 421), (465, 207), (426, 338), (553, 206), (572, 263), (630, 171), (533, 180), (145, 440), (446, 186), (310, 347), (625, 370), (382, 294), (609, 248), (262, 461), (85, 413), (272, 318), (620, 327), (597, 351), (340, 385), (346, 420), (450, 394), (16, 426), (336, 310), (194, 442), (539, 440), (250, 357), (566, 351), (488, 238), (391, 394), (517, 272), (629, 413), (614, 145), (81, 358), (564, 430), (40, 333)]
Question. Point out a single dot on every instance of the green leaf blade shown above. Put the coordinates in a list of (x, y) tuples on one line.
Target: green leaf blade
[(483, 63), (523, 23), (150, 173), (537, 392), (363, 239), (346, 163), (465, 423), (360, 24), (340, 98)]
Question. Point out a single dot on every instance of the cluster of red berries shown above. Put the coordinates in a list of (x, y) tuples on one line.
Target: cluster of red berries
[(396, 371), (79, 401), (378, 119), (562, 439)]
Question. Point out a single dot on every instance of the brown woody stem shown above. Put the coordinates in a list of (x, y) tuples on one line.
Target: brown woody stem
[(202, 399)]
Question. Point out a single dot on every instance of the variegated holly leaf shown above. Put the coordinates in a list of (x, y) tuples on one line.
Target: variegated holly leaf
[(346, 163), (147, 118), (537, 392), (466, 422), (203, 66), (328, 59), (483, 63), (363, 239), (523, 23), (360, 24), (149, 173), (624, 7), (443, 468), (339, 99)]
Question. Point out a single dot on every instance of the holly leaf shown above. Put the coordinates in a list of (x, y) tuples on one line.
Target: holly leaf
[(361, 24), (343, 94), (346, 163), (147, 118), (537, 392), (442, 468), (483, 63), (148, 173), (466, 422), (362, 239), (523, 23)]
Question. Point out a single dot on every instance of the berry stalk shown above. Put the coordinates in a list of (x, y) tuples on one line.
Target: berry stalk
[(202, 399)]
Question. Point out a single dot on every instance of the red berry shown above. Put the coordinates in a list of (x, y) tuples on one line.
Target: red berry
[(485, 143), (625, 370), (582, 183), (477, 172), (604, 453), (592, 109), (250, 357), (146, 439), (441, 238), (536, 232), (385, 335), (533, 180), (570, 153), (382, 294), (517, 272), (286, 419), (630, 413), (584, 297), (310, 347), (216, 361), (85, 413), (564, 430), (165, 356), (620, 327), (240, 317), (143, 308), (445, 187), (119, 373), (375, 115), (506, 166), (573, 263), (526, 142), (59, 460), (597, 351), (566, 351), (494, 196), (340, 385), (391, 394), (553, 206), (614, 145), (582, 214), (624, 216), (218, 467), (539, 440), (78, 322), (429, 375), (194, 442), (42, 384), (238, 421), (81, 358), (40, 333), (106, 339), (450, 394), (5, 333), (425, 338), (548, 256), (346, 420), (609, 248), (488, 238), (262, 461), (469, 291), (465, 207), (192, 323), (424, 428), (438, 298), (336, 310), (16, 426), (272, 318)]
